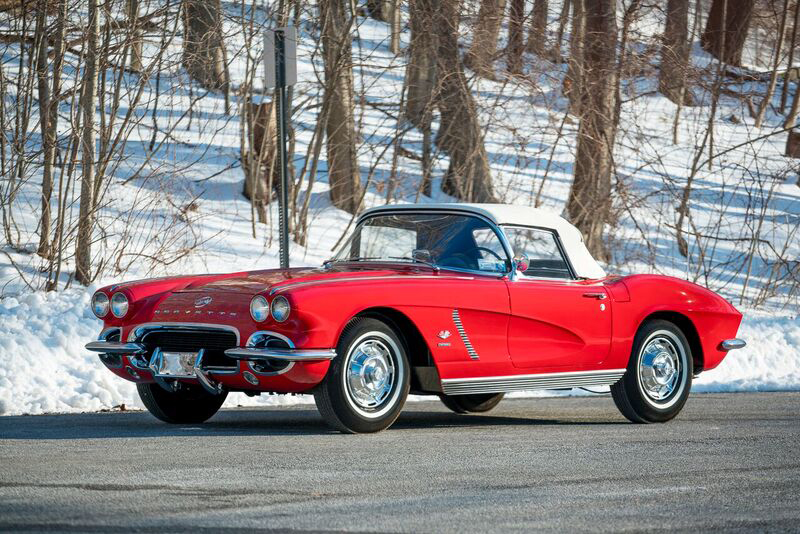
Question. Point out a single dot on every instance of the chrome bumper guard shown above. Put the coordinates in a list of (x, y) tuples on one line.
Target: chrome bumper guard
[(253, 354), (116, 347), (733, 344), (197, 372)]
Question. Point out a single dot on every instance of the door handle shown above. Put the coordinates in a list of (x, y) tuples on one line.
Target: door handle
[(598, 296)]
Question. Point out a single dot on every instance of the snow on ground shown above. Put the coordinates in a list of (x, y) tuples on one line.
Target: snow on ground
[(44, 367), (146, 212)]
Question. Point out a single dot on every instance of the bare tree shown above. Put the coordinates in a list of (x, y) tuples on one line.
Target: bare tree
[(204, 55), (773, 79), (343, 172), (675, 53), (573, 87), (468, 176), (395, 24), (420, 78), (537, 36), (83, 249), (791, 118), (135, 36), (48, 131), (483, 51), (726, 29), (516, 37), (421, 69), (790, 61), (589, 203), (563, 18), (380, 9)]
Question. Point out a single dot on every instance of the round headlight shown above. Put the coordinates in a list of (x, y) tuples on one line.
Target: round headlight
[(119, 305), (100, 304), (259, 309), (280, 309)]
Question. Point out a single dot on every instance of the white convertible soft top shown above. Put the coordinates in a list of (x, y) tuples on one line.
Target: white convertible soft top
[(585, 266)]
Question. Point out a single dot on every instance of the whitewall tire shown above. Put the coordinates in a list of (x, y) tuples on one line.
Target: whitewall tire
[(659, 374), (368, 381)]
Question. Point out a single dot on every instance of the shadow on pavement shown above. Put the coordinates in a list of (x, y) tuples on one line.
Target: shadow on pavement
[(240, 422)]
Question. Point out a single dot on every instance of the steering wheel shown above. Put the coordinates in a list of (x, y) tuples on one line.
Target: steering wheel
[(490, 251)]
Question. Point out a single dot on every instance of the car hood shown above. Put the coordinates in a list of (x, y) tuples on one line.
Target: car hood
[(258, 281)]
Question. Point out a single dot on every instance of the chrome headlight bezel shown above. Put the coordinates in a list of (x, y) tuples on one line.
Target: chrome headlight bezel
[(100, 304), (280, 309), (259, 308), (119, 305)]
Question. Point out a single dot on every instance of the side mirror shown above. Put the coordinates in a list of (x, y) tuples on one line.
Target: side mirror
[(422, 255), (521, 263)]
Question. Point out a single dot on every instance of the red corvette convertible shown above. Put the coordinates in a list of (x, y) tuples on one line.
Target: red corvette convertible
[(462, 301)]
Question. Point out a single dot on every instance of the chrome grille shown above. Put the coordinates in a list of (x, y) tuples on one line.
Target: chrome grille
[(213, 342)]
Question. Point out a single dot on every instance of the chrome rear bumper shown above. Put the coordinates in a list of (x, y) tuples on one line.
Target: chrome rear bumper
[(732, 344), (254, 354)]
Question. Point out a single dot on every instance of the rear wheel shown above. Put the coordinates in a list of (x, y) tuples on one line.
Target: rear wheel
[(368, 381), (659, 375), (479, 403), (189, 404)]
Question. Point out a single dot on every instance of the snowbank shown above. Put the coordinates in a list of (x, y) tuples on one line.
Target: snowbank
[(44, 367)]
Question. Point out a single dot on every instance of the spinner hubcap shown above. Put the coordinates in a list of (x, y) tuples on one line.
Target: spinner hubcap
[(370, 374), (660, 368)]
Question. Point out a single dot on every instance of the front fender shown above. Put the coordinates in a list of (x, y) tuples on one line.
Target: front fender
[(714, 318)]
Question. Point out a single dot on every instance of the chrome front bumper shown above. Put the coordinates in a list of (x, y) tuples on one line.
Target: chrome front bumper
[(135, 351), (116, 347), (253, 354)]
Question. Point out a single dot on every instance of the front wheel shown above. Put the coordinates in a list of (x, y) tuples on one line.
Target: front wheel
[(477, 403), (189, 404), (659, 375), (368, 381)]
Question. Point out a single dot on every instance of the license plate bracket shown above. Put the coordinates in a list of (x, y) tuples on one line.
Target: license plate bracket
[(174, 364)]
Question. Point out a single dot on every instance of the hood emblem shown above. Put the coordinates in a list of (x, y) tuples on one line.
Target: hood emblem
[(444, 334), (202, 301)]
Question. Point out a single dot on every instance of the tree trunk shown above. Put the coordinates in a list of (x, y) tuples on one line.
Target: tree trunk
[(83, 250), (675, 53), (380, 9), (421, 69), (537, 37), (136, 36), (516, 38), (563, 18), (468, 177), (732, 31), (790, 62), (343, 173), (773, 79), (589, 203), (396, 23), (791, 118), (260, 162), (573, 88), (483, 51), (48, 130), (203, 45)]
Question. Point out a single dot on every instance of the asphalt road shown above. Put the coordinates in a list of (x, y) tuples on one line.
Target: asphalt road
[(728, 462)]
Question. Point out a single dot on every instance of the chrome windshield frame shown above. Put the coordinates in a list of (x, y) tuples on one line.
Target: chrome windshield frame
[(490, 223)]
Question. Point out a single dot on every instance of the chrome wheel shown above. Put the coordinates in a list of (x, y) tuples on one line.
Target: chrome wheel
[(371, 374), (661, 369)]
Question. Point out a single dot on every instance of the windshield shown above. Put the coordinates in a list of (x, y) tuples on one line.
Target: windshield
[(441, 240)]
